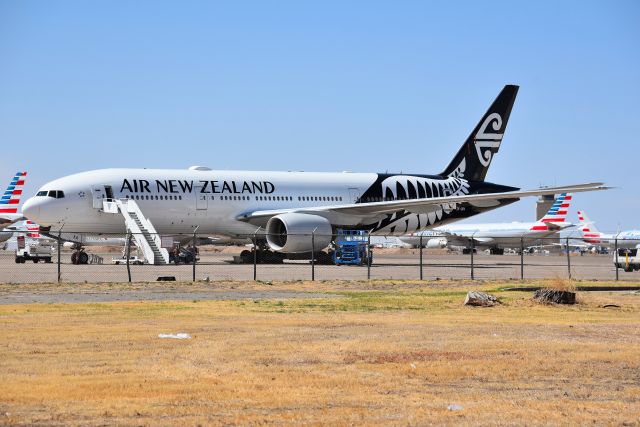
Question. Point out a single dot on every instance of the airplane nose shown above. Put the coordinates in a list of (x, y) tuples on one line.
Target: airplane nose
[(31, 209)]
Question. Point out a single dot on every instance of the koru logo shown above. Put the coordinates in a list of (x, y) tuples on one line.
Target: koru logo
[(486, 140)]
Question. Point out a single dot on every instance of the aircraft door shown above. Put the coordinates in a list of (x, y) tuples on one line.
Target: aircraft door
[(99, 194), (354, 194), (202, 202)]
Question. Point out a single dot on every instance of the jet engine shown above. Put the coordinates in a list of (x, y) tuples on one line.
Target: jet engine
[(291, 232), (437, 243)]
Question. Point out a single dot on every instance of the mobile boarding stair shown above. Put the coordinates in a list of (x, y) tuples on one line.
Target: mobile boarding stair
[(142, 230)]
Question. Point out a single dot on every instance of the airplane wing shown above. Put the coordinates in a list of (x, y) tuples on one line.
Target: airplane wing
[(455, 239), (377, 210), (557, 226)]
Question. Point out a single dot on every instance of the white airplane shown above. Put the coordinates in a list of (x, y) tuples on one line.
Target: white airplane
[(9, 205), (283, 209), (590, 234), (12, 221), (497, 236)]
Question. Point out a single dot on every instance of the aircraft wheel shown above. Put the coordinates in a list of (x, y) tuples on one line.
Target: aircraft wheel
[(83, 258), (246, 256), (324, 258)]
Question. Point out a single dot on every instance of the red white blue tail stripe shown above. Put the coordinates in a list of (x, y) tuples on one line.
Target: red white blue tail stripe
[(556, 214), (11, 197), (589, 232), (33, 229)]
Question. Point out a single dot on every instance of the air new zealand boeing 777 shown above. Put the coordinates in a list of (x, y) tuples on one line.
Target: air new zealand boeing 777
[(284, 208)]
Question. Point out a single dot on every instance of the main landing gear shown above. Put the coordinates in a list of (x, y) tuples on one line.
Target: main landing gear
[(261, 257), (264, 255), (79, 256)]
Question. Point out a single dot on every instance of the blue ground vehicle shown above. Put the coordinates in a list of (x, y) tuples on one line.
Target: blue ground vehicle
[(351, 248)]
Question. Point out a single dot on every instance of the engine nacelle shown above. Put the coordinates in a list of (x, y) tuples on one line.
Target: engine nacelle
[(291, 232), (437, 243)]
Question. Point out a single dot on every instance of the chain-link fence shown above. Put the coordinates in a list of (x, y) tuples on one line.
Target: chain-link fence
[(143, 258)]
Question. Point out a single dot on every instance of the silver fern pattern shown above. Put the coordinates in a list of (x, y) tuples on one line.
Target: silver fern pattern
[(414, 187)]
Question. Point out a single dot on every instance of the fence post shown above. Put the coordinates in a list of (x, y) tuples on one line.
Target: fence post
[(568, 258), (471, 251), (255, 259), (313, 254), (616, 249), (255, 254), (421, 257), (128, 255), (194, 253), (59, 255), (369, 256), (521, 258)]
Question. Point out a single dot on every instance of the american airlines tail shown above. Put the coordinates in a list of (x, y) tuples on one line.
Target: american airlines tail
[(474, 158), (556, 215), (11, 197), (586, 225), (590, 233)]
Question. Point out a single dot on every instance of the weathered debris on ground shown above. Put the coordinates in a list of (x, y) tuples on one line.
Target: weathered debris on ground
[(480, 299), (555, 296)]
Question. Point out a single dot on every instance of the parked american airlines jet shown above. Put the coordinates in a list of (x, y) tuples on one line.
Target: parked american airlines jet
[(283, 208), (625, 239), (9, 204), (497, 236)]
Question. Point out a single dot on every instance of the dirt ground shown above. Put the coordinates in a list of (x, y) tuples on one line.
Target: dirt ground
[(369, 353)]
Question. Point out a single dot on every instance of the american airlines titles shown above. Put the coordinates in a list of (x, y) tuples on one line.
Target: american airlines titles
[(174, 186)]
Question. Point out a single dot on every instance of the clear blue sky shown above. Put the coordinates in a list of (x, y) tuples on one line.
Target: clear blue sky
[(325, 86)]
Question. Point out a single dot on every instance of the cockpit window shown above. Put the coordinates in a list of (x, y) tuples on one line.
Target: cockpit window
[(41, 193), (56, 194)]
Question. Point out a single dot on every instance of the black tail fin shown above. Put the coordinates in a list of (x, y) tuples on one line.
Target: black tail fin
[(473, 160)]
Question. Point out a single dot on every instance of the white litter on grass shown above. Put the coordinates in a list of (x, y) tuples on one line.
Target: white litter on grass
[(413, 366), (455, 407), (178, 336)]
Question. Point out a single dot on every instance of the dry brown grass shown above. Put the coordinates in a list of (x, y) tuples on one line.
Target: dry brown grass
[(393, 353), (561, 284)]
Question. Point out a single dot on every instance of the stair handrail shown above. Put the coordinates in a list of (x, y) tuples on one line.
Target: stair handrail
[(132, 226), (132, 206)]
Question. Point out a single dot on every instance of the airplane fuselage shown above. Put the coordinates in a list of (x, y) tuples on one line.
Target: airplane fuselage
[(178, 201), (497, 235)]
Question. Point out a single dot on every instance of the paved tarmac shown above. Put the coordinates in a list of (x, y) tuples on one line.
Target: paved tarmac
[(388, 264)]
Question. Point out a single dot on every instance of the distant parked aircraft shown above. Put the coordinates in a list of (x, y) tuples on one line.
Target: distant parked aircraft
[(497, 236), (9, 204), (590, 234)]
